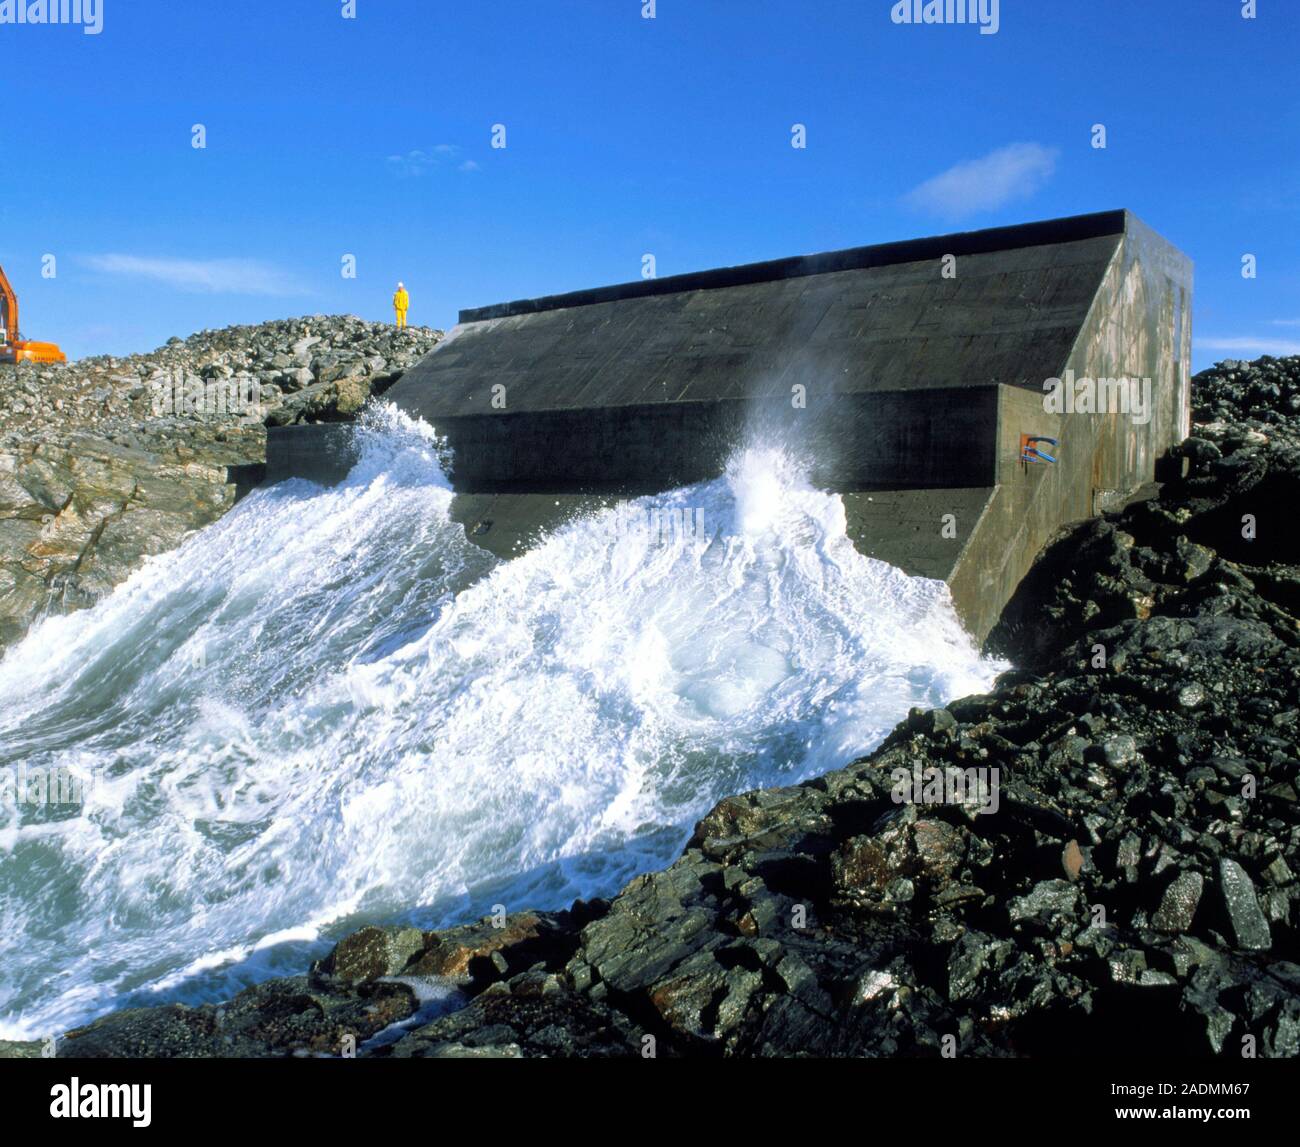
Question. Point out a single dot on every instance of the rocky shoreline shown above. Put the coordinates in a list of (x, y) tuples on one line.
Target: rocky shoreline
[(106, 461), (1133, 893)]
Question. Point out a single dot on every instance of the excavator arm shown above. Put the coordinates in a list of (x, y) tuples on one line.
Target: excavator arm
[(8, 311), (13, 347)]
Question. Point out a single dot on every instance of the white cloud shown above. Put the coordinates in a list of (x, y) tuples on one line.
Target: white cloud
[(1250, 346), (416, 163), (1286, 322), (411, 164), (224, 276), (974, 185)]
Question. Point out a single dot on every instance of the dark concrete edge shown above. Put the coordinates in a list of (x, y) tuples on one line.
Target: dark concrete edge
[(245, 477), (777, 399), (1068, 229)]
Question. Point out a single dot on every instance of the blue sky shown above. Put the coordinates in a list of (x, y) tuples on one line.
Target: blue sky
[(624, 136)]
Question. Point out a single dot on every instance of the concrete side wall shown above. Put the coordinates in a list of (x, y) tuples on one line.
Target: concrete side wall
[(1138, 328), (909, 528), (941, 439), (508, 525), (1023, 511), (320, 452)]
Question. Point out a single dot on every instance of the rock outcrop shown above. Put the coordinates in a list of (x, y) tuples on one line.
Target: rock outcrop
[(1125, 879), (106, 461)]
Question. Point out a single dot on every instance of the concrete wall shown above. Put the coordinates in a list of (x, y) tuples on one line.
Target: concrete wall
[(319, 452), (907, 390), (898, 438), (1139, 327)]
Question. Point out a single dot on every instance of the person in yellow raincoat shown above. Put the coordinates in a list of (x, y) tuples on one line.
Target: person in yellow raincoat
[(401, 300)]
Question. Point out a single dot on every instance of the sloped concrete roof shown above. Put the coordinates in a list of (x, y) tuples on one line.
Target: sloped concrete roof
[(849, 322)]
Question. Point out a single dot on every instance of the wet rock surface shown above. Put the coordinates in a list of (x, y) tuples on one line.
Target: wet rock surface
[(1123, 884), (106, 461)]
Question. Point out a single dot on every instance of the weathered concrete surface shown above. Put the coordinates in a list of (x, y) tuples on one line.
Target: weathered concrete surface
[(319, 452), (908, 387)]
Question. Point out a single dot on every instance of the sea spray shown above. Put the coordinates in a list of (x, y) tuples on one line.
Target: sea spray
[(330, 707)]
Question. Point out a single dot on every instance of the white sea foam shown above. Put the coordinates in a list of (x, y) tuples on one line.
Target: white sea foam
[(329, 707)]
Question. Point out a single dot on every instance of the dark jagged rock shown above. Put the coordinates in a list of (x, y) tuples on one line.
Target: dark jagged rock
[(1179, 903), (1134, 886), (533, 1014), (372, 953), (1249, 927), (279, 1018)]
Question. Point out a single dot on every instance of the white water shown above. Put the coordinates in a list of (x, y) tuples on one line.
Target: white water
[(329, 707)]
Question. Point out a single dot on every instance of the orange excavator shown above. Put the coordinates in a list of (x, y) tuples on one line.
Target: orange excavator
[(13, 347)]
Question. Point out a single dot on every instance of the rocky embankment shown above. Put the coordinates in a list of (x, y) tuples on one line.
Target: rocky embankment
[(106, 461), (1134, 892)]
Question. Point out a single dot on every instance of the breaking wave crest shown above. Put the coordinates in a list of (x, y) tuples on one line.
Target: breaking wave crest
[(330, 707)]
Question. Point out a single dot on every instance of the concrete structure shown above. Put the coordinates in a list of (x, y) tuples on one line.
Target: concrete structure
[(907, 372)]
